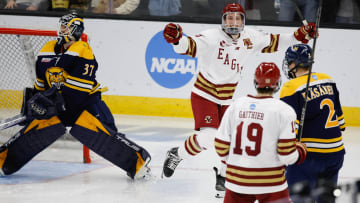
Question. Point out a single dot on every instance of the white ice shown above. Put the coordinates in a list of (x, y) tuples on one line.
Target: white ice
[(57, 174)]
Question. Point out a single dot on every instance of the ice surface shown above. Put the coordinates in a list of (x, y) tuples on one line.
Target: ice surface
[(57, 174)]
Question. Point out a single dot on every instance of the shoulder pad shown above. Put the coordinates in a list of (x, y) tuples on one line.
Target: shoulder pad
[(321, 76), (49, 46), (209, 33), (81, 49), (290, 87)]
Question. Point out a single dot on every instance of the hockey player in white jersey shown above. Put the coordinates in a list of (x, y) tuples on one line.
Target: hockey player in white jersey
[(257, 139), (221, 55)]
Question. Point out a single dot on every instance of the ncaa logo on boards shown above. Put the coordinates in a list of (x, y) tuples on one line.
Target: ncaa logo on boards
[(167, 68)]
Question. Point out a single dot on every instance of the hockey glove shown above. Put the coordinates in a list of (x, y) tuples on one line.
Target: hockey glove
[(301, 148), (44, 105), (172, 33), (305, 32)]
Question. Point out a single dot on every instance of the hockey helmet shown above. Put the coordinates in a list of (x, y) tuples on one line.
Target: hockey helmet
[(71, 27), (236, 26), (300, 54), (267, 76)]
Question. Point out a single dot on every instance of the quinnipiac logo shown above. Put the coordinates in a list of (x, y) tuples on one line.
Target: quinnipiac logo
[(167, 68)]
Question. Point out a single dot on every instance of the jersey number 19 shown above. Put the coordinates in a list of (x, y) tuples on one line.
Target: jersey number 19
[(254, 134)]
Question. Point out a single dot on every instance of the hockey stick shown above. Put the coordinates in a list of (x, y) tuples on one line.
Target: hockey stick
[(303, 20), (303, 110), (301, 16)]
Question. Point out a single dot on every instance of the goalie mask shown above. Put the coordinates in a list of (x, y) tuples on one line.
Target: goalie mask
[(233, 19), (300, 54), (71, 26), (267, 76)]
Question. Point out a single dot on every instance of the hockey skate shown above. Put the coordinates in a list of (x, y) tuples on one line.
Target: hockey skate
[(219, 185), (171, 162), (144, 172)]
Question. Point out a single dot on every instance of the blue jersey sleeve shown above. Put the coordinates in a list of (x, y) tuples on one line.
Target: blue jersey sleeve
[(338, 109)]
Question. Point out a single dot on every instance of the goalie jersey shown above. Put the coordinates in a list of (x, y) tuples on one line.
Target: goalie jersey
[(256, 138), (72, 71), (324, 119)]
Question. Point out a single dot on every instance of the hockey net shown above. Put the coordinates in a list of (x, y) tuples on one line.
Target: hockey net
[(18, 48)]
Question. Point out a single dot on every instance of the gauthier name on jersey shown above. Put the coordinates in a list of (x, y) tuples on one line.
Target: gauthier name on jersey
[(251, 114)]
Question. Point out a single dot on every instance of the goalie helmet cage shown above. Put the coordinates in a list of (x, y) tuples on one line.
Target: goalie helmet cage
[(18, 48)]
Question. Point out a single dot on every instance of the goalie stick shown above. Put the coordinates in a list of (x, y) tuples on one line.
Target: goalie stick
[(10, 122), (303, 110)]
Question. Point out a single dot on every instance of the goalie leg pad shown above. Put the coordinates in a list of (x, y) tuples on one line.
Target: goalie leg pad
[(112, 146), (103, 113), (28, 142)]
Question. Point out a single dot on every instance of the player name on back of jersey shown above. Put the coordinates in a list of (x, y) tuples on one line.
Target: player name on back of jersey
[(318, 91), (251, 114)]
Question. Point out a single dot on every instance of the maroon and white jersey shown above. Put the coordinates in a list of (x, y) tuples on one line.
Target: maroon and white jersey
[(257, 138), (221, 59)]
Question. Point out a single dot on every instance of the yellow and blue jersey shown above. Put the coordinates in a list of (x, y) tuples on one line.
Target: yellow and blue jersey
[(324, 119), (72, 71)]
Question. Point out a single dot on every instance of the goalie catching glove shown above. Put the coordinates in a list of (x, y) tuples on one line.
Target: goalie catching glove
[(303, 33), (301, 148), (172, 33), (44, 105)]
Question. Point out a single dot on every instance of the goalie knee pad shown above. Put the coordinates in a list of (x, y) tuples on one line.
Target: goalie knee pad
[(28, 142), (113, 146), (103, 114)]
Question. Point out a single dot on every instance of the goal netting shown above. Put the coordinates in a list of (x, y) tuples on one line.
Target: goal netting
[(18, 49)]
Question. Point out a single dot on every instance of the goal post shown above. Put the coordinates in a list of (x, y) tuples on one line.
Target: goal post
[(18, 48)]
